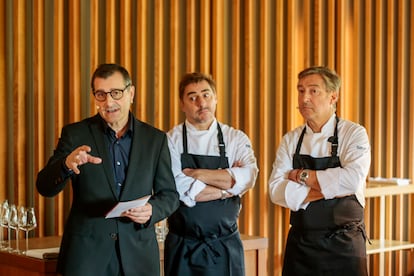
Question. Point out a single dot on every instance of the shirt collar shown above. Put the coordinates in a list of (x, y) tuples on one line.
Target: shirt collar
[(327, 128), (191, 127), (106, 129)]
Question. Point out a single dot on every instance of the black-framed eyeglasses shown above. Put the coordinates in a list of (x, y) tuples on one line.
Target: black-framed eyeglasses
[(116, 94)]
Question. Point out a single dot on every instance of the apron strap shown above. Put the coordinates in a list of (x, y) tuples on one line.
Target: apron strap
[(222, 146)]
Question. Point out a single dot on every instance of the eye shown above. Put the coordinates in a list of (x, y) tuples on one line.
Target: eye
[(315, 91), (99, 94), (116, 92)]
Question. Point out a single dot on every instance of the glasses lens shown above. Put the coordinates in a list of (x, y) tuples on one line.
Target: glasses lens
[(100, 96), (116, 94)]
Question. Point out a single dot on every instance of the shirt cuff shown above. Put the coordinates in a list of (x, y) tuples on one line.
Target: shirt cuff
[(295, 195)]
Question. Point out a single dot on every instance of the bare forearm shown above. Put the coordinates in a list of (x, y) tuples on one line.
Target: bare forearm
[(211, 193), (219, 178), (312, 182)]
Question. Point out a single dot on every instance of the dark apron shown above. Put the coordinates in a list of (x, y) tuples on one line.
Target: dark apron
[(204, 239), (328, 238)]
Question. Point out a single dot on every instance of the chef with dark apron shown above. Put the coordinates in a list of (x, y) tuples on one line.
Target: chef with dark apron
[(204, 239), (320, 173), (328, 237), (213, 165)]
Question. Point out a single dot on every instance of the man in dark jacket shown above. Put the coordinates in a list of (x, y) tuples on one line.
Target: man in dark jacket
[(111, 157)]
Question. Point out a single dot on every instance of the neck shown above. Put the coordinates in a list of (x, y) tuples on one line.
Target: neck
[(202, 126), (316, 125), (119, 131)]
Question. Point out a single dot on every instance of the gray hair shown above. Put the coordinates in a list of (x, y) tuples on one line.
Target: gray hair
[(330, 77)]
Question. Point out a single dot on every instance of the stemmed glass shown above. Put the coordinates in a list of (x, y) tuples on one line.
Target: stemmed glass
[(1, 228), (28, 223), (13, 224), (4, 219)]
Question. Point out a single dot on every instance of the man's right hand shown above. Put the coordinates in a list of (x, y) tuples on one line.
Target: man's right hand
[(79, 157)]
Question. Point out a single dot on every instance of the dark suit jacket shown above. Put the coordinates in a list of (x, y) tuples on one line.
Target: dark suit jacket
[(88, 241)]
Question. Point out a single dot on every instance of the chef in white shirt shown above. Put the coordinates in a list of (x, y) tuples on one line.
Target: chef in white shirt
[(213, 165), (320, 174)]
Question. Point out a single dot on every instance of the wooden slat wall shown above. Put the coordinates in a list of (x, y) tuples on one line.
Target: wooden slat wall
[(253, 49)]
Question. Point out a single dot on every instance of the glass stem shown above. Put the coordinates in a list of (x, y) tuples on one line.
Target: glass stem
[(17, 240), (27, 241), (9, 236)]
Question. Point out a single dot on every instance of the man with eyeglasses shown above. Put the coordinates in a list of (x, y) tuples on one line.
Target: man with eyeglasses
[(111, 157)]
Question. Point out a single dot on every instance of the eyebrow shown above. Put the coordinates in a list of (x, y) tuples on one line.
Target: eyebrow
[(204, 90), (310, 85)]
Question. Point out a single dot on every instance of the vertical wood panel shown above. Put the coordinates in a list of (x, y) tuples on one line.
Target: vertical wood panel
[(125, 34), (236, 61), (74, 62), (39, 109), (159, 62), (378, 63), (402, 92), (59, 85), (205, 36), (389, 88), (174, 70), (217, 48), (142, 59), (19, 96), (190, 35), (110, 31), (253, 49), (3, 104), (250, 68)]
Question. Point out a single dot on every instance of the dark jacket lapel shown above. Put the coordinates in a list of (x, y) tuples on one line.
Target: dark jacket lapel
[(96, 130)]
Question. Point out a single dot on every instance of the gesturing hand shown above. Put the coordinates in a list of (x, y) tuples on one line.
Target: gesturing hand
[(79, 157)]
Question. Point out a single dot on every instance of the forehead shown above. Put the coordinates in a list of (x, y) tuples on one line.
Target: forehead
[(314, 80), (197, 87), (115, 80)]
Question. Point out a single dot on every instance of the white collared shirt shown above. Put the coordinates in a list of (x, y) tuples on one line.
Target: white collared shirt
[(205, 142), (354, 154)]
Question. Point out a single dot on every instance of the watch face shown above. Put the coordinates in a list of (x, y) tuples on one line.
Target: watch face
[(303, 176)]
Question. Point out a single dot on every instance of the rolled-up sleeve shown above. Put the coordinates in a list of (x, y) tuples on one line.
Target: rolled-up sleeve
[(282, 191), (245, 175)]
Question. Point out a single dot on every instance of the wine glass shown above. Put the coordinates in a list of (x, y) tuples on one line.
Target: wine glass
[(28, 223), (13, 224), (161, 230), (4, 219), (1, 230), (21, 222)]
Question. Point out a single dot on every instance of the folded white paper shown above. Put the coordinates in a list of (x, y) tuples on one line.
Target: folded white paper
[(124, 206), (43, 253)]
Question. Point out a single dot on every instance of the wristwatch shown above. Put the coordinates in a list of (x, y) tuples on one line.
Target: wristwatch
[(224, 194), (303, 177)]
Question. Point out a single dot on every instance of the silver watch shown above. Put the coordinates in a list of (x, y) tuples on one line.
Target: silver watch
[(224, 194), (303, 177)]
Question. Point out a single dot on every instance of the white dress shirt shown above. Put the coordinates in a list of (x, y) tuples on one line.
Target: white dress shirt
[(354, 154), (205, 142)]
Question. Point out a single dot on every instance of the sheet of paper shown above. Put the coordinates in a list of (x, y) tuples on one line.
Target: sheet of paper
[(123, 206), (44, 253)]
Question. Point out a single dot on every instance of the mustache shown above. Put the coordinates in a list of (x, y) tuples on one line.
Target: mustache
[(203, 109)]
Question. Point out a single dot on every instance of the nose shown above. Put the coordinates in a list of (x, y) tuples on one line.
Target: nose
[(306, 96), (200, 102)]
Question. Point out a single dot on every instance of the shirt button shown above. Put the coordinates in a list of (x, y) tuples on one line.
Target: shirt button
[(118, 163), (119, 184), (114, 236)]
